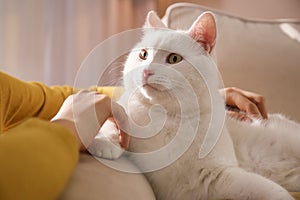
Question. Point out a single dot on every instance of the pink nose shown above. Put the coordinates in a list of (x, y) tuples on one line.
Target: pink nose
[(147, 73)]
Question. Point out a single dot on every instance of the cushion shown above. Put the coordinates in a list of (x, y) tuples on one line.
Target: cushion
[(256, 55), (93, 180)]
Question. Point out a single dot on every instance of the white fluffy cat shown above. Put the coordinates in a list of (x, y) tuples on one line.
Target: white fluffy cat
[(258, 160)]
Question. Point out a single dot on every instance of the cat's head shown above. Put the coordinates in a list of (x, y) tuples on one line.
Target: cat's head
[(167, 60)]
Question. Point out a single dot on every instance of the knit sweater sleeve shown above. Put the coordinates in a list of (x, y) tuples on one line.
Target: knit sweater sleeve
[(21, 100)]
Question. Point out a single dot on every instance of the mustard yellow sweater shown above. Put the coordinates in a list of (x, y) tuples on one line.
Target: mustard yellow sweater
[(36, 157)]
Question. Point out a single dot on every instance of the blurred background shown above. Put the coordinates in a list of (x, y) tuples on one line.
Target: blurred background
[(47, 40)]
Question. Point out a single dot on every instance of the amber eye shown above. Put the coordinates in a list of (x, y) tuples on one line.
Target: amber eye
[(143, 54), (174, 58)]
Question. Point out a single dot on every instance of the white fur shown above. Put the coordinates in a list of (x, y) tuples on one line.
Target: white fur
[(107, 143), (248, 158), (270, 148)]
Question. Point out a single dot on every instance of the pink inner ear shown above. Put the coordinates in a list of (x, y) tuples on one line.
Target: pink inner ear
[(154, 21), (204, 31)]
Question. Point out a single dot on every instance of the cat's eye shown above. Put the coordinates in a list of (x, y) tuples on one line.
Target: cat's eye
[(174, 58), (143, 54)]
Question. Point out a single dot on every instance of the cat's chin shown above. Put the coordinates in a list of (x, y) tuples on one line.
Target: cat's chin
[(154, 92), (154, 87)]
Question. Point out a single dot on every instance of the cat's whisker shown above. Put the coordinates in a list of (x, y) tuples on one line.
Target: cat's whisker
[(114, 81), (116, 67), (178, 84), (112, 75)]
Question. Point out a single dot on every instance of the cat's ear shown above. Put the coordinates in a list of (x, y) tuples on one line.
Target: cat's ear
[(153, 21), (204, 31)]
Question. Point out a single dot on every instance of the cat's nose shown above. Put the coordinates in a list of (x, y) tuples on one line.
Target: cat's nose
[(147, 73)]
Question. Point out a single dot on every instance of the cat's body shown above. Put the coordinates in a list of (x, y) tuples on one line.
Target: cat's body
[(270, 148), (244, 152)]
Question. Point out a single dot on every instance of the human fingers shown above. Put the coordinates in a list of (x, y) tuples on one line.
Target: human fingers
[(258, 100), (120, 116), (90, 111), (103, 107), (124, 138), (263, 110), (251, 103), (239, 116), (121, 120), (236, 99)]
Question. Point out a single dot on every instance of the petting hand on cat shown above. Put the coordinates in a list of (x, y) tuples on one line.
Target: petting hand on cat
[(77, 114), (251, 104)]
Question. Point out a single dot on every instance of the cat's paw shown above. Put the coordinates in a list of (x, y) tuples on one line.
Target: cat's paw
[(107, 143), (105, 147)]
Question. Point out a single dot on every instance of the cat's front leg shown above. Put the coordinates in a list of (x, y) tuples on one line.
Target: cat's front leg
[(236, 184), (107, 142)]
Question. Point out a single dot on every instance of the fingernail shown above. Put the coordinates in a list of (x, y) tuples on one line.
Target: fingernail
[(246, 119)]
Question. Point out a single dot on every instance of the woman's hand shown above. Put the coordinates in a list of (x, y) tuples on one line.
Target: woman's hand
[(250, 104), (85, 112)]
